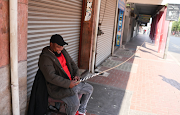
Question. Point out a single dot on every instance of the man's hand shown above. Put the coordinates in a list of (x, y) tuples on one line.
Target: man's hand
[(76, 78), (73, 83)]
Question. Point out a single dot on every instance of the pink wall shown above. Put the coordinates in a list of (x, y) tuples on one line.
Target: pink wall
[(4, 31), (22, 29), (158, 28), (164, 32)]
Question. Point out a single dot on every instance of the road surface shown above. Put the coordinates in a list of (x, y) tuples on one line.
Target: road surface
[(174, 48)]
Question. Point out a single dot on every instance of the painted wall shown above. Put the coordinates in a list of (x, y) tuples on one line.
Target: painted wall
[(135, 30), (126, 30), (164, 32), (128, 27), (4, 33), (159, 29), (5, 89), (5, 94)]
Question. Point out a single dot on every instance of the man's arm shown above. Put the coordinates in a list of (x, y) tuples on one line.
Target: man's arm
[(73, 83)]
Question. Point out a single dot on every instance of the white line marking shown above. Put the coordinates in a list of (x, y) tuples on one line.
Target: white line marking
[(174, 59)]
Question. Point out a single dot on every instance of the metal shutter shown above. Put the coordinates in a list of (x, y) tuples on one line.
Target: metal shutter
[(48, 17), (104, 42)]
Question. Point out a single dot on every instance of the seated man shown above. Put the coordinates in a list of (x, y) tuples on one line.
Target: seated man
[(62, 76)]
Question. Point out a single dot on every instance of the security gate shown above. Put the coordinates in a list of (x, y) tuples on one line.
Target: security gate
[(104, 42), (48, 17)]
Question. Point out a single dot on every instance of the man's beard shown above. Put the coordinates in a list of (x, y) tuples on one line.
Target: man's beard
[(57, 55)]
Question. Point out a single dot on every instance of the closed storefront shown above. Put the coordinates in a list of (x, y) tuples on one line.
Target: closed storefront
[(106, 19), (48, 17)]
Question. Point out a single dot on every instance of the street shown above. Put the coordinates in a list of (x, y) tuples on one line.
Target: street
[(174, 48)]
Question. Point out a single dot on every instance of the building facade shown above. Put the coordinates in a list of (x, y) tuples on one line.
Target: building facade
[(77, 21)]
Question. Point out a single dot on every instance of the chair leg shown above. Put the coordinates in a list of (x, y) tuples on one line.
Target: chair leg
[(54, 112), (57, 107)]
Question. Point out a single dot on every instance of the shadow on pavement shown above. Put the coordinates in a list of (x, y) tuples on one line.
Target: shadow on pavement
[(171, 82), (150, 53)]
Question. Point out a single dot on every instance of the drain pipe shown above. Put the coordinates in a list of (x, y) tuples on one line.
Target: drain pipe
[(14, 56), (95, 37)]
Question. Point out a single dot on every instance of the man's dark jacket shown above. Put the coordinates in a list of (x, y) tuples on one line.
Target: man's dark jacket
[(56, 79), (39, 97)]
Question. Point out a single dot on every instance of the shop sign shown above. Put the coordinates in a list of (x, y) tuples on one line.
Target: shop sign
[(172, 12), (144, 18), (121, 4), (119, 28)]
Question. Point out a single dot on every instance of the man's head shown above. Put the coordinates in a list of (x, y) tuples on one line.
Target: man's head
[(56, 44)]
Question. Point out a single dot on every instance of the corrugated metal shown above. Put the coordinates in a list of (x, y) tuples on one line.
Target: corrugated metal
[(48, 17), (104, 42)]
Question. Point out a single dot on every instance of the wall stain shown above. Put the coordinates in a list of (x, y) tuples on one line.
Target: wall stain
[(4, 30), (0, 5)]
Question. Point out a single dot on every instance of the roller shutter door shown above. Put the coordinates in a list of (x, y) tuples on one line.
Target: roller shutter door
[(48, 17), (104, 42)]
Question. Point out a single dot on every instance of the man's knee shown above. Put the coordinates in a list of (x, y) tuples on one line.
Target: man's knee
[(75, 107), (90, 88)]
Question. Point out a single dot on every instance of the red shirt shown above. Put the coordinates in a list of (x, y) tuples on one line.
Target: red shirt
[(62, 61)]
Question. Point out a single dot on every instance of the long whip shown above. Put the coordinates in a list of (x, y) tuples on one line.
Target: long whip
[(86, 78)]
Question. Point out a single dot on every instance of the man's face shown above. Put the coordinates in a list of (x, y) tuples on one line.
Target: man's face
[(56, 48)]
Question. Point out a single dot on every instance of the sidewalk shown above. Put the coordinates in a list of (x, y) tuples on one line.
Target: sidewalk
[(145, 85)]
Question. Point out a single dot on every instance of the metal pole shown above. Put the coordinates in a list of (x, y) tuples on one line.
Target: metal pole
[(167, 41), (14, 56)]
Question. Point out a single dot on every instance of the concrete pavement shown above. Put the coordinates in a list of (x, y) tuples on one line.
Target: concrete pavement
[(145, 85)]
